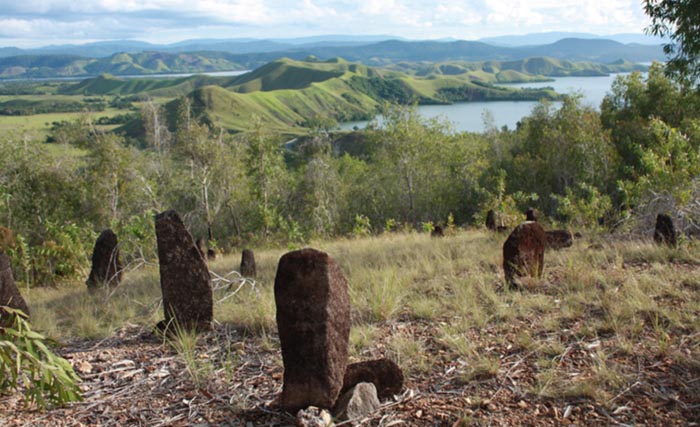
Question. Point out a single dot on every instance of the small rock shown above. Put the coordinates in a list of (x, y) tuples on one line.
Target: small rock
[(314, 417), (84, 367), (357, 402), (522, 404), (419, 413), (491, 407)]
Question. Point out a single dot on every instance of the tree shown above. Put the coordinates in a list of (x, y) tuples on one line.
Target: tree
[(680, 21)]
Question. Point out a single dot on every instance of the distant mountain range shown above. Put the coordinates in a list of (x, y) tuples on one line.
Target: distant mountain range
[(554, 36), (198, 56)]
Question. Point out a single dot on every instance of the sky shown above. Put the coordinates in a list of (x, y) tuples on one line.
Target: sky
[(33, 23)]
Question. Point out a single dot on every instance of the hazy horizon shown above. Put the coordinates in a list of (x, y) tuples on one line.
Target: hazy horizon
[(38, 23)]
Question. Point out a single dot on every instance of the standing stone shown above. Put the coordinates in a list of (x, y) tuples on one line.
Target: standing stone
[(383, 373), (313, 319), (106, 265), (184, 276), (491, 220), (523, 252), (9, 293), (531, 214), (248, 264), (665, 232), (559, 239), (201, 247), (437, 231)]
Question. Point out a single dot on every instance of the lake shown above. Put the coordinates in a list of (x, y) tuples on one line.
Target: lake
[(468, 116)]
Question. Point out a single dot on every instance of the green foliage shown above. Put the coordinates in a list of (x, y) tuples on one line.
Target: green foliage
[(583, 206), (26, 361), (362, 227), (678, 20)]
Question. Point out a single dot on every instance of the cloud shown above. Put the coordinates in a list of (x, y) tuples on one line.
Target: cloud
[(154, 20)]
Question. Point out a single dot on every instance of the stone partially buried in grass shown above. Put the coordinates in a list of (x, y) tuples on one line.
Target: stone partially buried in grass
[(559, 239), (106, 265), (184, 276), (313, 319), (247, 268), (383, 373), (9, 293), (665, 232), (523, 252)]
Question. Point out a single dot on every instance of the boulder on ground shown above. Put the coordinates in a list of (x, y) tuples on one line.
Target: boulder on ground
[(559, 239), (9, 293), (383, 373), (665, 232), (313, 319), (184, 276), (437, 231), (357, 402), (106, 264), (248, 264), (523, 252), (491, 220)]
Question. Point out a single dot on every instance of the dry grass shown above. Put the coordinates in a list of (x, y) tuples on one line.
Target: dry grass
[(427, 302)]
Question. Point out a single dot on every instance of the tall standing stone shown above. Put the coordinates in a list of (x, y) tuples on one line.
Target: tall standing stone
[(491, 220), (248, 264), (313, 319), (531, 214), (184, 276), (106, 265), (665, 232), (9, 293), (523, 252)]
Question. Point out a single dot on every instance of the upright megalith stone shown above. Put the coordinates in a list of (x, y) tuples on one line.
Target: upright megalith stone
[(313, 319), (184, 276), (491, 220), (531, 214), (248, 264), (523, 252), (106, 265), (665, 232), (437, 231), (559, 239), (9, 293)]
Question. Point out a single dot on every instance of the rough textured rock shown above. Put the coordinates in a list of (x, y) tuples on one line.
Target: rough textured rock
[(9, 293), (383, 373), (531, 214), (523, 252), (314, 417), (313, 319), (357, 402), (184, 276), (248, 264), (491, 220), (665, 232), (106, 265), (559, 239), (211, 254)]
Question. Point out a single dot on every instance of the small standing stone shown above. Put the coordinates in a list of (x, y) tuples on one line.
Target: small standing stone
[(383, 373), (523, 252), (184, 276), (248, 264), (531, 214), (559, 239), (438, 231), (665, 232), (9, 293), (106, 265), (491, 220), (313, 319)]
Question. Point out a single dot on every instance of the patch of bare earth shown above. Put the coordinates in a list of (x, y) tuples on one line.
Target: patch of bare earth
[(134, 379)]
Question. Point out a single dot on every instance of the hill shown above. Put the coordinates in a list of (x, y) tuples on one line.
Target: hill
[(198, 60)]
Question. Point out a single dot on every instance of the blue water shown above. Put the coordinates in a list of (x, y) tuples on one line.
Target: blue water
[(468, 116)]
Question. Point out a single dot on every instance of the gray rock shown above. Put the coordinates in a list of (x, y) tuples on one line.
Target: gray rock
[(358, 402)]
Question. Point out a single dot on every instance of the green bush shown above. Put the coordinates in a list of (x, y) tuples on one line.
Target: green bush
[(26, 361)]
